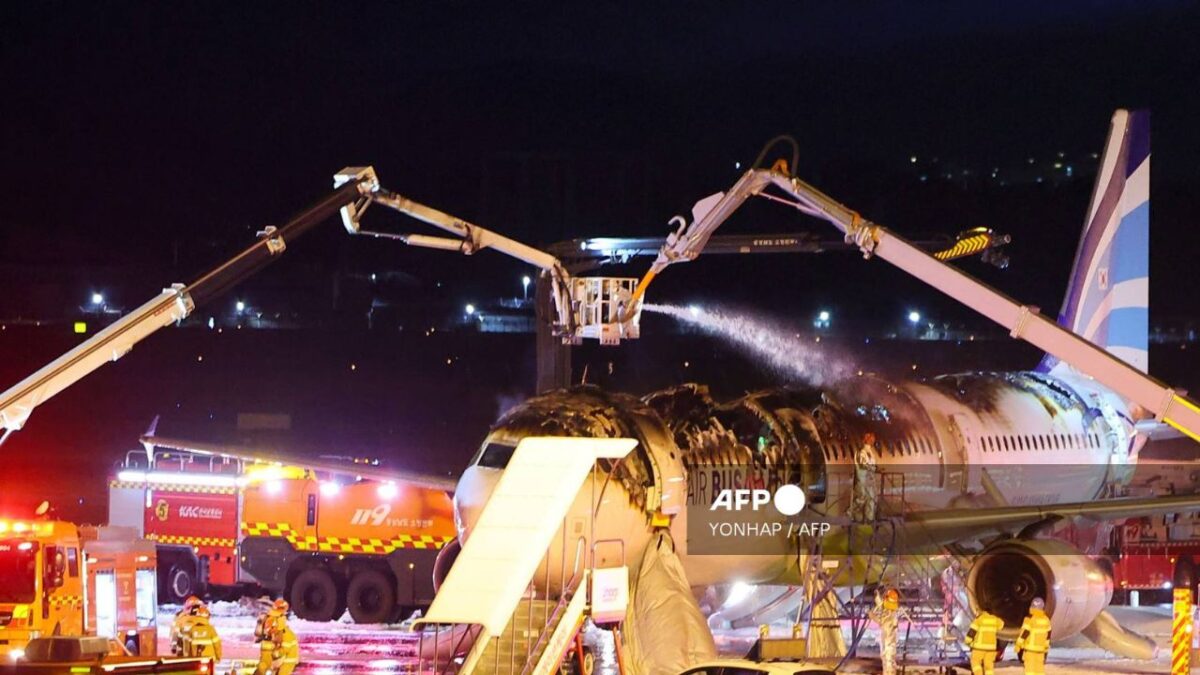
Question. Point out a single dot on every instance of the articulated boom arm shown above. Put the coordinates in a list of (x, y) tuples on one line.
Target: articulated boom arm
[(1023, 321), (594, 307), (171, 306)]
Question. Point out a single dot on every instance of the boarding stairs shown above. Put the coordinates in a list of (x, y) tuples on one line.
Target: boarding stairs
[(518, 586), (929, 587)]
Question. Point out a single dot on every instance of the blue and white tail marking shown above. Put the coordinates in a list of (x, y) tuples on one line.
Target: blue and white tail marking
[(1108, 299)]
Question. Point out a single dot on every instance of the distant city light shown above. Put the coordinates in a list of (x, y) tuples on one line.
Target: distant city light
[(824, 315), (97, 298), (470, 309), (240, 306), (912, 159), (914, 316), (525, 281)]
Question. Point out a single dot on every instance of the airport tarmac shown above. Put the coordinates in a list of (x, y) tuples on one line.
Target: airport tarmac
[(347, 648)]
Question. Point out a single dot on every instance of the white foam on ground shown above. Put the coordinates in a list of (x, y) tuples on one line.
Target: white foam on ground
[(344, 647)]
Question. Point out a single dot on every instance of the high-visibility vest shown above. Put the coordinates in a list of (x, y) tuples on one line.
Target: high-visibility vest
[(983, 631), (1035, 632)]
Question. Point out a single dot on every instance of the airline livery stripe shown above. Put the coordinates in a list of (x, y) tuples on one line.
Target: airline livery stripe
[(1133, 234), (1127, 327)]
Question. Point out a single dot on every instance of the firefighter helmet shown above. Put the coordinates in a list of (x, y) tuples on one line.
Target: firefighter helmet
[(192, 601), (1038, 603), (891, 599), (281, 606), (869, 438)]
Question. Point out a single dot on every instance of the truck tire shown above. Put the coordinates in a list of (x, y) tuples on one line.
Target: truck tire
[(371, 597), (181, 583), (315, 596)]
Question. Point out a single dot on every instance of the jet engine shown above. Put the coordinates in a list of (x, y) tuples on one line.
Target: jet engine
[(1007, 576)]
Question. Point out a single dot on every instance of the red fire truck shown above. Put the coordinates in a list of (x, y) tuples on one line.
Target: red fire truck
[(1145, 550), (57, 578), (327, 537)]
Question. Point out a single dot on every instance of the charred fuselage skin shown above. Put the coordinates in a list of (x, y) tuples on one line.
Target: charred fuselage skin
[(959, 440)]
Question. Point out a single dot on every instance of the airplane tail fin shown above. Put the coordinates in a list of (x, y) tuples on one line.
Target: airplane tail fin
[(1108, 298)]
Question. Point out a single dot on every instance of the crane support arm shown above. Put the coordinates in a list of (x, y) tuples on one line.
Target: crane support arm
[(469, 238), (171, 306), (1023, 322), (110, 344)]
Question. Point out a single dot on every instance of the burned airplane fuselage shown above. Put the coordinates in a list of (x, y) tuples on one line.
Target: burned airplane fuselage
[(955, 440)]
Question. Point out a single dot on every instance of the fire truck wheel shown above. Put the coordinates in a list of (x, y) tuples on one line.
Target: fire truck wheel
[(371, 597), (315, 596), (181, 582)]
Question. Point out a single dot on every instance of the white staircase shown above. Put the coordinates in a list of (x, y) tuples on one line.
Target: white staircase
[(491, 582)]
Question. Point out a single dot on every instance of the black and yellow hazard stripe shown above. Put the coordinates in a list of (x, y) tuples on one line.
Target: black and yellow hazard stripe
[(977, 241), (1181, 632)]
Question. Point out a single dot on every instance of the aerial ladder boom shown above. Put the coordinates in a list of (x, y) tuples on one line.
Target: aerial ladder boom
[(1023, 322), (171, 306), (595, 307), (581, 310)]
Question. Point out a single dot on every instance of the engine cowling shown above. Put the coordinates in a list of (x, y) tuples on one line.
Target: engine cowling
[(1007, 576)]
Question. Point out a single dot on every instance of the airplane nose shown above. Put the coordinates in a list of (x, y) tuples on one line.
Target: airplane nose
[(472, 494)]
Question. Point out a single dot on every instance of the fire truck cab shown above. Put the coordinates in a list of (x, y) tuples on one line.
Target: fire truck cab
[(57, 578)]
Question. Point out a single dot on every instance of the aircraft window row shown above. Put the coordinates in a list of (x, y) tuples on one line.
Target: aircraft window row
[(1008, 443), (917, 445)]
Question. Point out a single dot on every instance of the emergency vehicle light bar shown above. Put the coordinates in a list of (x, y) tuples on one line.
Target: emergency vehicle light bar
[(164, 478), (22, 527)]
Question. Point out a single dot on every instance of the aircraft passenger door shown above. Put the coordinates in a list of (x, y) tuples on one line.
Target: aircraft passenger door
[(957, 460)]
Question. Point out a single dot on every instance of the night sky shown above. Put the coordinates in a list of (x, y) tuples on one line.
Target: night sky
[(136, 133), (144, 143)]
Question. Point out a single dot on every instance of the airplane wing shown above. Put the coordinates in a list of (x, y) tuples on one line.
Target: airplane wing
[(948, 526)]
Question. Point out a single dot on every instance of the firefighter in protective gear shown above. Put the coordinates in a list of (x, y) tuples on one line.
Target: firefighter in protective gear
[(863, 500), (983, 639), (279, 653), (1034, 641), (887, 613), (199, 638), (194, 615)]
